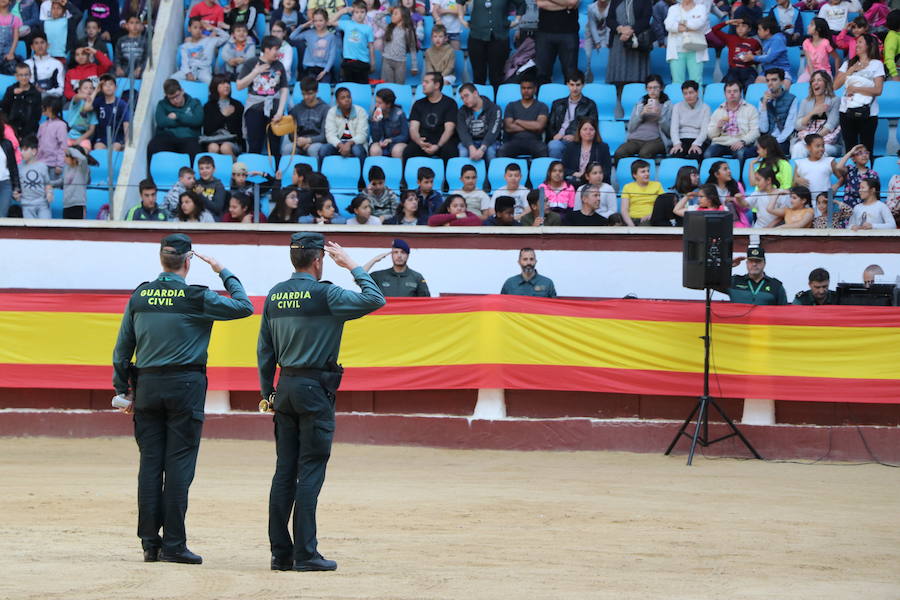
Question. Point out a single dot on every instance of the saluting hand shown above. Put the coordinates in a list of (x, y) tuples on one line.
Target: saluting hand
[(213, 263), (339, 256)]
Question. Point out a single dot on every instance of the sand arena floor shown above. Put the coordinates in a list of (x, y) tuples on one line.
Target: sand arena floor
[(417, 523)]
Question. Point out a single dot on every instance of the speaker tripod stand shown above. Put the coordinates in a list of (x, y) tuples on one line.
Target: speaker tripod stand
[(702, 407)]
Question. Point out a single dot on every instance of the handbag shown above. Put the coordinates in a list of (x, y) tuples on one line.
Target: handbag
[(693, 41), (643, 41), (859, 112), (286, 126)]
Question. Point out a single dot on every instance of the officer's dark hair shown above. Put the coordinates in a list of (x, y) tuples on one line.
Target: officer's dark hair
[(424, 173), (172, 262), (504, 203), (524, 250), (303, 258), (819, 275), (29, 141), (146, 184)]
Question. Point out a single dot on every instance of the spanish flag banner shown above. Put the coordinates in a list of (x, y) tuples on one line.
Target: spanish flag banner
[(827, 353)]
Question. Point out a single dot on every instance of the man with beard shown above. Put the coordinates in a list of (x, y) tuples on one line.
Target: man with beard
[(818, 292), (399, 280), (756, 287), (529, 282)]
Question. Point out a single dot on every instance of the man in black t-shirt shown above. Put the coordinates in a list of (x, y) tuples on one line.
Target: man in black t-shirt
[(588, 215), (267, 97), (432, 122), (557, 35)]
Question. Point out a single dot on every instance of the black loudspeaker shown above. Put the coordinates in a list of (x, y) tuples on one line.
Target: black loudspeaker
[(708, 245)]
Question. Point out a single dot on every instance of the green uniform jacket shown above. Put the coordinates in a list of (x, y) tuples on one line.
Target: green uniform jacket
[(492, 18), (768, 292), (303, 320), (806, 298), (401, 285), (168, 322), (538, 286)]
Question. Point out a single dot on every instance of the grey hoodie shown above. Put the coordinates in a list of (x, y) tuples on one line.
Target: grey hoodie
[(75, 180)]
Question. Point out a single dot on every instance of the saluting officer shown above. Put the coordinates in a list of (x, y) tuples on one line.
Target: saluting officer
[(166, 327), (399, 281), (756, 287), (302, 322)]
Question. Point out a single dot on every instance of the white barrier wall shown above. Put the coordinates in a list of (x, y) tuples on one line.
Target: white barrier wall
[(62, 264)]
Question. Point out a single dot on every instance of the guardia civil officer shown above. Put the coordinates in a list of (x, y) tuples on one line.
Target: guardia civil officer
[(756, 287), (818, 293), (529, 282), (166, 327), (302, 322), (398, 281)]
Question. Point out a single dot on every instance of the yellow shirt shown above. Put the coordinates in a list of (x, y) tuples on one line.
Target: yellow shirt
[(641, 198)]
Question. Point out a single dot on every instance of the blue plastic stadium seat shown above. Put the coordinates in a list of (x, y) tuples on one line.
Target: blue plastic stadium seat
[(709, 67), (714, 95), (755, 93), (414, 79), (801, 90), (196, 89), (632, 94), (537, 170), (100, 175), (402, 92), (659, 66), (223, 164), (414, 164), (604, 96), (123, 83), (613, 133), (239, 95), (599, 60), (506, 93), (342, 173), (498, 166), (392, 167), (286, 166), (623, 170), (254, 162), (95, 201), (485, 91), (673, 91), (668, 170), (461, 69), (7, 80), (889, 101), (734, 163), (428, 25), (881, 135), (552, 91), (454, 169), (164, 168), (886, 167)]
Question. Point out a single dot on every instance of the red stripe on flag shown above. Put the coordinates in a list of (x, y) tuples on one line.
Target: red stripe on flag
[(527, 377)]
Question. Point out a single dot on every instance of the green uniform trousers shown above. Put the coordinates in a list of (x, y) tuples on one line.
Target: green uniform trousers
[(168, 420), (304, 430)]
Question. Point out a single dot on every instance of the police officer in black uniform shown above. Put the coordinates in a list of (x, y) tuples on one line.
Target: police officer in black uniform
[(818, 292), (166, 327), (302, 322), (756, 287)]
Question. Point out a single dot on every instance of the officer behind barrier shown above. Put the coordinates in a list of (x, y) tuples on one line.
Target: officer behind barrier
[(302, 322), (166, 327)]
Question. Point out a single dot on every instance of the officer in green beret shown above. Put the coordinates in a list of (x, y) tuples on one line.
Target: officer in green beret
[(302, 322), (529, 282), (756, 287), (818, 292), (166, 328), (399, 281)]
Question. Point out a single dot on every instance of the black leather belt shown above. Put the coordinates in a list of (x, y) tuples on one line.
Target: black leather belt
[(298, 372), (171, 369)]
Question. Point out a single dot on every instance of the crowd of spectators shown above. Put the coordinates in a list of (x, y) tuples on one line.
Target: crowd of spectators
[(817, 143), (63, 58)]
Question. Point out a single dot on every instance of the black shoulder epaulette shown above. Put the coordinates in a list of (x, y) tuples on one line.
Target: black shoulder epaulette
[(139, 286), (325, 281)]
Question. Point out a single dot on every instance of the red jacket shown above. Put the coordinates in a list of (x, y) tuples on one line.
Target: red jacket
[(469, 220), (91, 71), (737, 45)]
